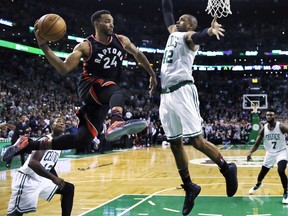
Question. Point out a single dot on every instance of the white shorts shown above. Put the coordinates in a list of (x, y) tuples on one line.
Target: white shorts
[(26, 191), (179, 113), (273, 158)]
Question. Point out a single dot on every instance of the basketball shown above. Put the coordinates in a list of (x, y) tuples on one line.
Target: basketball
[(52, 27)]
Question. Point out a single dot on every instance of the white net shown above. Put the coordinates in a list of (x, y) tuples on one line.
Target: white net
[(255, 107), (219, 8)]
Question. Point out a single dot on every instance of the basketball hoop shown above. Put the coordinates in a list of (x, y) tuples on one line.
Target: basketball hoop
[(219, 8)]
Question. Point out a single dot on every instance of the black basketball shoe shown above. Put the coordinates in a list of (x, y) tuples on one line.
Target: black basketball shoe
[(192, 190), (230, 174)]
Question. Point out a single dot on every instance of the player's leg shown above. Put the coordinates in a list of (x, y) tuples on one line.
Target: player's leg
[(173, 129), (112, 94), (268, 163), (281, 171), (229, 171), (192, 190), (67, 198), (263, 172), (187, 106), (24, 195), (282, 164), (82, 139), (86, 132)]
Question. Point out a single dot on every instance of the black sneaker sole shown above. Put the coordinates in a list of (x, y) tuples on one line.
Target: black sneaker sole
[(232, 184)]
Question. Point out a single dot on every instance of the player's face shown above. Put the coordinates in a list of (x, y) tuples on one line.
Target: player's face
[(106, 24), (184, 23), (270, 117), (59, 125)]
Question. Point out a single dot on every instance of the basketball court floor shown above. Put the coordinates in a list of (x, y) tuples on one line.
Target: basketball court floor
[(145, 181)]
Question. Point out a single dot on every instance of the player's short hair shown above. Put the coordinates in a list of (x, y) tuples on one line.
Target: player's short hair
[(97, 15), (270, 110), (53, 120)]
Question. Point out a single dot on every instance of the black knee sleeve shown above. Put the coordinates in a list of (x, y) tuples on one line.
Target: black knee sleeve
[(282, 166), (117, 99), (68, 189), (262, 174), (281, 171)]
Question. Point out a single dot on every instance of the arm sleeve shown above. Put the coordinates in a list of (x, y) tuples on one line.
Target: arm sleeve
[(167, 10), (200, 37)]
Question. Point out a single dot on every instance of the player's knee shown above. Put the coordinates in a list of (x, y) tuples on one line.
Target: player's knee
[(69, 188), (117, 98), (197, 142)]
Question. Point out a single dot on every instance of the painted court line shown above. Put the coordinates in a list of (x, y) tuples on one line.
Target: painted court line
[(203, 214), (148, 197), (101, 205), (260, 215), (171, 210), (151, 203)]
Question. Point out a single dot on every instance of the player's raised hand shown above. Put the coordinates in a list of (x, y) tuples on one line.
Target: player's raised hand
[(217, 29), (41, 41)]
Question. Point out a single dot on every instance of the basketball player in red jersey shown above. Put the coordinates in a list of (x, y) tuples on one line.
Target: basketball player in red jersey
[(102, 53)]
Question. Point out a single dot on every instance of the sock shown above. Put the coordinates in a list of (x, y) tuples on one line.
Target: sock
[(222, 164), (116, 116), (185, 176)]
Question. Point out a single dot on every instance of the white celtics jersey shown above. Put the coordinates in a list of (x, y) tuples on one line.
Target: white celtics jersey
[(274, 140), (48, 161), (177, 61)]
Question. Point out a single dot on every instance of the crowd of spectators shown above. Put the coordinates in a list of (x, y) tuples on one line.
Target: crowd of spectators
[(247, 29), (30, 85)]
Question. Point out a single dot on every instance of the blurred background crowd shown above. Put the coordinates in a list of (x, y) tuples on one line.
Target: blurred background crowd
[(30, 86)]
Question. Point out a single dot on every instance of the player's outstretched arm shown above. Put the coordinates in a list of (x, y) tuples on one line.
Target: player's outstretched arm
[(70, 63), (201, 37), (141, 58)]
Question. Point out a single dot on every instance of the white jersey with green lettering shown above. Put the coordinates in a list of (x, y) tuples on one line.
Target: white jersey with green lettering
[(274, 140), (177, 61), (48, 161)]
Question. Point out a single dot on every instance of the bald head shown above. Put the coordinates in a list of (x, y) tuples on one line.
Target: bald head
[(192, 21), (186, 22)]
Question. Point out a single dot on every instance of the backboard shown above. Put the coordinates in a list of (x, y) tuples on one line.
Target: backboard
[(255, 101)]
